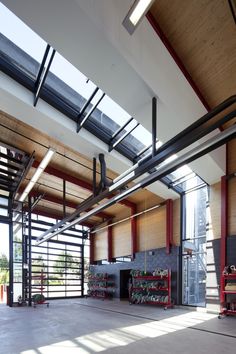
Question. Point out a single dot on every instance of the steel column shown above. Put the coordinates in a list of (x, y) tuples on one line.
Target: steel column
[(154, 125), (169, 225), (10, 292), (109, 244), (224, 231), (64, 198), (94, 176), (82, 272), (29, 253), (134, 237), (91, 249)]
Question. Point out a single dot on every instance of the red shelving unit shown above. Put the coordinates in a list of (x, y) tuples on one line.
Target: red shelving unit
[(227, 302), (154, 290), (40, 288), (100, 287)]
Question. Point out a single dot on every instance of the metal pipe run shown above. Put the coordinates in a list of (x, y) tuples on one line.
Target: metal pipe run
[(128, 218), (161, 171)]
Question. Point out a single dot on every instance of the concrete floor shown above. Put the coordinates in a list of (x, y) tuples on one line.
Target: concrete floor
[(87, 326)]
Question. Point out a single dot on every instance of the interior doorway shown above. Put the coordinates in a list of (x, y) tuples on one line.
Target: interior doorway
[(124, 283), (4, 262)]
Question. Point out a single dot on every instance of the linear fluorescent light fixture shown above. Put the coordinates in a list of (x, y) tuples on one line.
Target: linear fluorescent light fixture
[(137, 11), (43, 164)]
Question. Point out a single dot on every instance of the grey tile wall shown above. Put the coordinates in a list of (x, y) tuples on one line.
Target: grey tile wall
[(152, 258)]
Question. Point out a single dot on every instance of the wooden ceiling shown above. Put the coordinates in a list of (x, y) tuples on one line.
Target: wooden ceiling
[(203, 34), (66, 162)]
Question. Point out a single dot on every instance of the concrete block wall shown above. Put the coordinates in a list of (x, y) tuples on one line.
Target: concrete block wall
[(152, 258)]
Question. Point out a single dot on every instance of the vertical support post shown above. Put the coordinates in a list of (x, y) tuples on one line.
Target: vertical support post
[(103, 171), (10, 292), (91, 249), (109, 243), (82, 272), (133, 232), (169, 225), (29, 251), (154, 125), (224, 231), (94, 176), (64, 198)]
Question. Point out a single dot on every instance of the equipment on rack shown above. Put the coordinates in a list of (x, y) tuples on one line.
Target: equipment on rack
[(39, 298), (152, 289)]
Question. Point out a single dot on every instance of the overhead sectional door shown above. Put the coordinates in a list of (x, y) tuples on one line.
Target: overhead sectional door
[(59, 264)]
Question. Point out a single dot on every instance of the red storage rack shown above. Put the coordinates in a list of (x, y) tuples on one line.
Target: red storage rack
[(227, 303), (39, 287), (100, 287), (155, 290)]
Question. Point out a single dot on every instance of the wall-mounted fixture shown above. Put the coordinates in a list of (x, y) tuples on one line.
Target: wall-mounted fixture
[(136, 13)]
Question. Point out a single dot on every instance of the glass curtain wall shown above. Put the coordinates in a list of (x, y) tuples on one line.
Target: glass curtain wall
[(195, 204)]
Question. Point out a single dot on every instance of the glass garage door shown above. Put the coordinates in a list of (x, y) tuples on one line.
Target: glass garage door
[(56, 269)]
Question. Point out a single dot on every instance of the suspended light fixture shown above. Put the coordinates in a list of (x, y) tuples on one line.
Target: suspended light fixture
[(43, 164), (136, 13)]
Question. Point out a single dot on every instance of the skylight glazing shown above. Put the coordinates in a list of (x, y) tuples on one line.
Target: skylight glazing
[(67, 89)]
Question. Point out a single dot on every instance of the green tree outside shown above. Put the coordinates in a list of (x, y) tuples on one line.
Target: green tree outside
[(4, 269)]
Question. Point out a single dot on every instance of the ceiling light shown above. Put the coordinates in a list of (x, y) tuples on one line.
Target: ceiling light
[(136, 13), (43, 164)]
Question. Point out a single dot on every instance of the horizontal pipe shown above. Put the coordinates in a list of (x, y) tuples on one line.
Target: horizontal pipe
[(179, 142), (162, 170), (128, 218)]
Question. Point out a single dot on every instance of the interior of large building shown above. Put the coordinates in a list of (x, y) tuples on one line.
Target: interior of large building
[(117, 176)]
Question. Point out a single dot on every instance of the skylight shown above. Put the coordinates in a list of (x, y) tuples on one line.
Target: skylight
[(20, 34), (67, 89)]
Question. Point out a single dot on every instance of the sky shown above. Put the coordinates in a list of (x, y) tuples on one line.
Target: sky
[(4, 241)]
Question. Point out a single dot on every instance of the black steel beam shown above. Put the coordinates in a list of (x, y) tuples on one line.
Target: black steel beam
[(120, 129), (29, 252), (11, 166), (10, 158), (7, 172), (190, 156), (113, 145), (86, 104), (94, 176), (83, 121), (190, 135), (37, 81), (141, 152), (42, 79), (102, 172)]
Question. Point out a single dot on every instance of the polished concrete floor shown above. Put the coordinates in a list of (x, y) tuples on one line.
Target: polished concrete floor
[(87, 326)]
